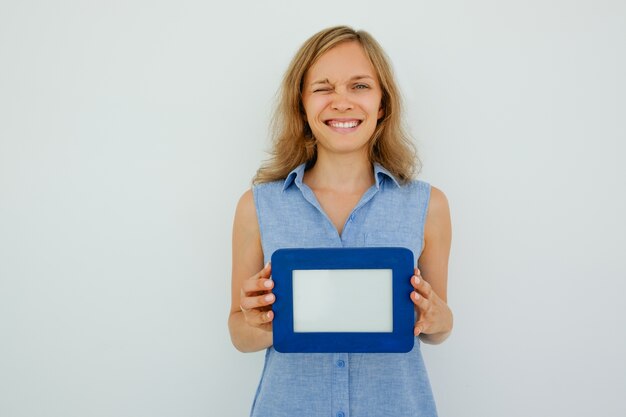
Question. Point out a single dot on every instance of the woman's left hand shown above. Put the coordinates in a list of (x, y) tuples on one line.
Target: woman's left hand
[(434, 315)]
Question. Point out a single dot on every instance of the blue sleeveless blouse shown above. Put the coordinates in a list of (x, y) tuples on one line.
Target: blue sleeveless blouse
[(343, 384)]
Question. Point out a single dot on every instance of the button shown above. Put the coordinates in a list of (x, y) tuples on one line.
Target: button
[(341, 414), (341, 363)]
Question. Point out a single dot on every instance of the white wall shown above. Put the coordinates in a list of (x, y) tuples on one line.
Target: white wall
[(128, 130)]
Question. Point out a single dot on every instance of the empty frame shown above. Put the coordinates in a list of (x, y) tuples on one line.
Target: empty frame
[(343, 300)]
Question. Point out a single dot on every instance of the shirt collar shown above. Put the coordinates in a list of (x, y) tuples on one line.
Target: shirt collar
[(381, 172), (297, 174)]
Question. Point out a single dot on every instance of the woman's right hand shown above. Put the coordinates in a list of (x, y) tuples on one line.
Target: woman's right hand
[(256, 299)]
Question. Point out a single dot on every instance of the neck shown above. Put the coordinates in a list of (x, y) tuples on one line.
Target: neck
[(346, 173)]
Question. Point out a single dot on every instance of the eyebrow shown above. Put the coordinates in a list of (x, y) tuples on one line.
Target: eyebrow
[(360, 77), (356, 77), (324, 81)]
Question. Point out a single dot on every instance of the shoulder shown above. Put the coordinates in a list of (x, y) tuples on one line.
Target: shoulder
[(246, 201), (435, 209), (438, 201), (245, 213), (416, 185), (259, 196), (267, 187)]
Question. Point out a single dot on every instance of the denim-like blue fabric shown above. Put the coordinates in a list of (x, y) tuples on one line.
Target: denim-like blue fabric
[(343, 384)]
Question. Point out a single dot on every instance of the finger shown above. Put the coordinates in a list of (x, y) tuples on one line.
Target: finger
[(259, 283), (416, 278), (421, 286), (421, 302), (256, 317), (417, 272), (248, 303), (255, 285)]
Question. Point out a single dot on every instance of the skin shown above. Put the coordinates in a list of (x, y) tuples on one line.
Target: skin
[(342, 86)]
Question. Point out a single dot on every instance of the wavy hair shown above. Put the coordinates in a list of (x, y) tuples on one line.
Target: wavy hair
[(292, 139)]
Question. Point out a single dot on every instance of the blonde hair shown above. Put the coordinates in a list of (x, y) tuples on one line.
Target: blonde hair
[(293, 142)]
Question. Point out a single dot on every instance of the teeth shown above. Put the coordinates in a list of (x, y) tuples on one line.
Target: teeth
[(344, 125)]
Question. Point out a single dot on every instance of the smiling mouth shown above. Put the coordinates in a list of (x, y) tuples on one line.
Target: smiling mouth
[(343, 124)]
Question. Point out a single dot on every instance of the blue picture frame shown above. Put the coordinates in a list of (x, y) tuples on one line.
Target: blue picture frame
[(399, 260)]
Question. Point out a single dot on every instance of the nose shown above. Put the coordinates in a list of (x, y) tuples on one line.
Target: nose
[(341, 102)]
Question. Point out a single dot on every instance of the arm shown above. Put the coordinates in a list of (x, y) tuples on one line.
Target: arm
[(431, 280), (250, 316)]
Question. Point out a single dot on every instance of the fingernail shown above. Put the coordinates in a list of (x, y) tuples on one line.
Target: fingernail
[(416, 295), (268, 284), (269, 297), (269, 315), (417, 280), (419, 272), (266, 265)]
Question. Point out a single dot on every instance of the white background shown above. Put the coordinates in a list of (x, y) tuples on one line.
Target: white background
[(129, 129), (329, 300)]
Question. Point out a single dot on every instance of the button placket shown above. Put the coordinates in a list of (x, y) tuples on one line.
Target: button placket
[(341, 388)]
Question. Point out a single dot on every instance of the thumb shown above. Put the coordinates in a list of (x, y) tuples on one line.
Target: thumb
[(266, 271), (420, 327)]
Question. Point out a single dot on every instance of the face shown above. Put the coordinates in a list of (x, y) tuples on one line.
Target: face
[(342, 99)]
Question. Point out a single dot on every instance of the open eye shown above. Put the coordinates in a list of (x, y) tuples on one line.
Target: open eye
[(361, 86)]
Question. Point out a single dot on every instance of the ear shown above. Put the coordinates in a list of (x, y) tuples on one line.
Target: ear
[(381, 112)]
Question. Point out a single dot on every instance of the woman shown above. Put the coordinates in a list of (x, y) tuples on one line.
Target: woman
[(340, 175)]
